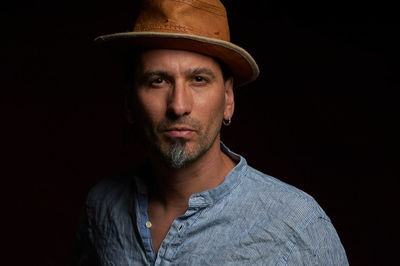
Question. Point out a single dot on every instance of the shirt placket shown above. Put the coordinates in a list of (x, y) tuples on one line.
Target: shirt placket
[(142, 225), (176, 235)]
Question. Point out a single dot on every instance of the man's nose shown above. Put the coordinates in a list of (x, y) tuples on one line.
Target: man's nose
[(180, 100)]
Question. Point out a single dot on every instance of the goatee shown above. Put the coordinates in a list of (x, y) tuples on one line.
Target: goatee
[(177, 155)]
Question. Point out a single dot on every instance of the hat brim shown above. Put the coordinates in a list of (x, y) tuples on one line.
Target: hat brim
[(239, 61)]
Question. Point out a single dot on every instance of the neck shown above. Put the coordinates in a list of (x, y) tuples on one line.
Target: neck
[(172, 188)]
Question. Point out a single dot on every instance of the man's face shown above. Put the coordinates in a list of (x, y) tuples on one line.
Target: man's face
[(179, 101)]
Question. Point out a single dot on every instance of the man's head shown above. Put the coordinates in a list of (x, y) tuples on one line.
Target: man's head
[(179, 99), (179, 95)]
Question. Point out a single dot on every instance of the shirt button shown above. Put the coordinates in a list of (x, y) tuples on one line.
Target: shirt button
[(148, 224)]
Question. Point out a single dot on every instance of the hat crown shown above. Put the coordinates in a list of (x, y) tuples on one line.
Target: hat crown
[(205, 18)]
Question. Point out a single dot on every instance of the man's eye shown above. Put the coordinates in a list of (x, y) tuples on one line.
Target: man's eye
[(199, 79), (158, 80)]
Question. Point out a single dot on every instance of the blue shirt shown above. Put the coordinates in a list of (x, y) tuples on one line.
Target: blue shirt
[(249, 219)]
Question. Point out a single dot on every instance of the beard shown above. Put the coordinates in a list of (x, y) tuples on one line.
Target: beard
[(175, 151)]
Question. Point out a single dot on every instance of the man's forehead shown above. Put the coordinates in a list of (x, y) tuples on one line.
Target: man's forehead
[(168, 58)]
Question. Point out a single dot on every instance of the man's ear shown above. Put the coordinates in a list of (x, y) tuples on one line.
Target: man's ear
[(229, 99), (128, 110)]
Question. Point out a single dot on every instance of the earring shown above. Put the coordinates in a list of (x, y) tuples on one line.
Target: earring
[(227, 122)]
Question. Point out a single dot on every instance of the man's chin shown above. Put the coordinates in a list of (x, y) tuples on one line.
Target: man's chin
[(177, 155)]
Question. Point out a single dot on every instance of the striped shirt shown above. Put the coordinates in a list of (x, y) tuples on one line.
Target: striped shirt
[(249, 219)]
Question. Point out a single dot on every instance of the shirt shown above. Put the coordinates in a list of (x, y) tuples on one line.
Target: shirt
[(249, 219)]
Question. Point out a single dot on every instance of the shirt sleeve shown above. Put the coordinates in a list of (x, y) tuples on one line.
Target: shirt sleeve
[(83, 251), (318, 244)]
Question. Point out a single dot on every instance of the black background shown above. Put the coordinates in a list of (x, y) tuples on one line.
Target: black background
[(322, 116)]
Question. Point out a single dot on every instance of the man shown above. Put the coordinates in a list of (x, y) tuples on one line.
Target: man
[(195, 202)]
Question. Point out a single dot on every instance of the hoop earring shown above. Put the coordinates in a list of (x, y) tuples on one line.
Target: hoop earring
[(227, 122)]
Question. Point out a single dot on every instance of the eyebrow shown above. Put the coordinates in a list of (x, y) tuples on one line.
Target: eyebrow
[(197, 71), (201, 70), (147, 75)]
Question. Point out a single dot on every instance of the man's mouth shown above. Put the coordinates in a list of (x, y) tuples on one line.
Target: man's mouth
[(179, 131)]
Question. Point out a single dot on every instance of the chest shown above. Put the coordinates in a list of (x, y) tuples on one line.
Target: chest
[(200, 237)]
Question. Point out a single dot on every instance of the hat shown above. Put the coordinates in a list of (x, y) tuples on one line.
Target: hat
[(192, 25)]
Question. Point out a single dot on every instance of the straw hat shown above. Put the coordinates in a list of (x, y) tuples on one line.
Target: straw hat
[(195, 25)]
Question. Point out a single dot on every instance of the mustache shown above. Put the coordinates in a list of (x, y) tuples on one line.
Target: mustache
[(182, 121)]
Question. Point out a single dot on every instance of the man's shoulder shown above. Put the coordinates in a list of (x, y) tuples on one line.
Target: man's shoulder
[(281, 200), (110, 190), (278, 197), (294, 218)]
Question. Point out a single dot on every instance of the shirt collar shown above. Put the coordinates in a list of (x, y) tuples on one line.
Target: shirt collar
[(208, 197), (231, 181)]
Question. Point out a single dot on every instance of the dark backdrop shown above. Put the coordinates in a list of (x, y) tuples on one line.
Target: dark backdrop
[(322, 116)]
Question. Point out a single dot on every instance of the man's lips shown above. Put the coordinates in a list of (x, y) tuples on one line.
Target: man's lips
[(179, 132)]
